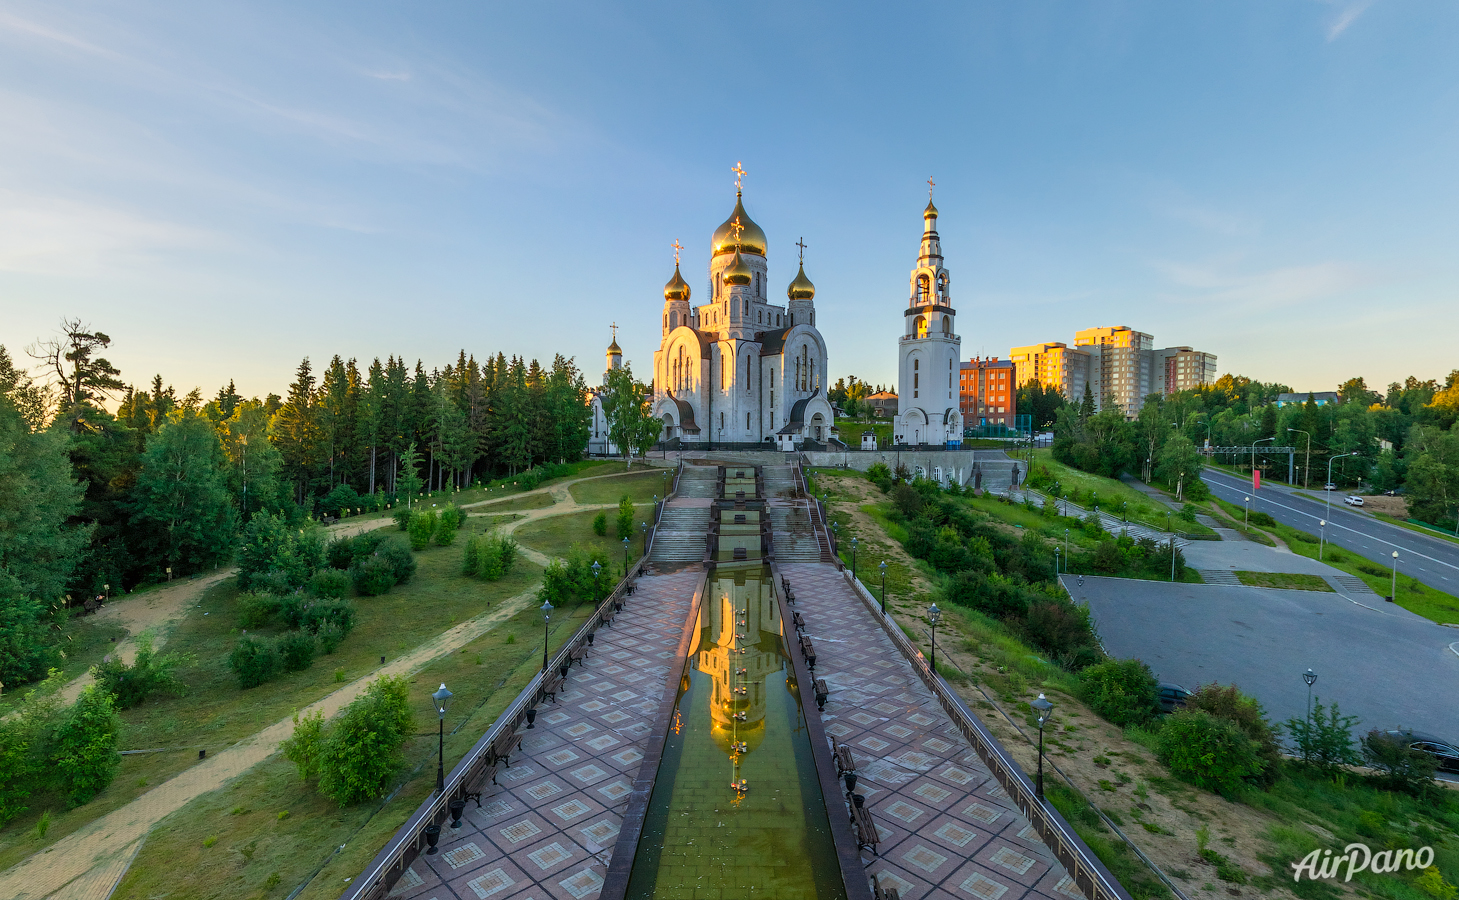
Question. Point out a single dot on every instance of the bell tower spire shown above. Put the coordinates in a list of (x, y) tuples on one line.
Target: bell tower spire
[(930, 349)]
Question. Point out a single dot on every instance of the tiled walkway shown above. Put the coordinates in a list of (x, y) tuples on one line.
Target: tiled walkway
[(549, 829), (948, 830)]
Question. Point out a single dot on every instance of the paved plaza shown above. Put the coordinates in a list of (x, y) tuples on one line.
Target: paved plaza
[(1385, 665), (548, 830), (948, 829)]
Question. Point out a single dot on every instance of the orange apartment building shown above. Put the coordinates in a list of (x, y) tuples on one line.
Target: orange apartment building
[(987, 392)]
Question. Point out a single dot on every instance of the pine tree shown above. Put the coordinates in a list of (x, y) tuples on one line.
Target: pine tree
[(296, 431), (408, 481)]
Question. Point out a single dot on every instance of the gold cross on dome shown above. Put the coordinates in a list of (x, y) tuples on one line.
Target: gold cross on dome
[(740, 174), (677, 248), (614, 326), (930, 185), (802, 245)]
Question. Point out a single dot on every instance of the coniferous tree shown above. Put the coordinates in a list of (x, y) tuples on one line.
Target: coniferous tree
[(181, 508), (296, 431)]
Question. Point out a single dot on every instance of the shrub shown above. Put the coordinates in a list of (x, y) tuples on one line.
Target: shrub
[(296, 651), (1123, 691), (1207, 751), (1063, 630), (148, 674), (446, 526), (471, 556), (276, 583), (363, 749), (254, 660), (397, 553), (291, 611), (600, 524), (257, 610), (303, 746), (623, 524), (329, 584), (1197, 490), (422, 526), (1262, 519), (340, 501), (402, 517), (1108, 558), (84, 756), (1228, 703), (372, 576), (1324, 740), (330, 636), (907, 501), (1401, 768), (340, 613), (1189, 511)]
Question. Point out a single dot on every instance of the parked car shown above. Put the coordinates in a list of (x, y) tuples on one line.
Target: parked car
[(1172, 697), (1396, 492), (1353, 501), (1329, 486), (1446, 753)]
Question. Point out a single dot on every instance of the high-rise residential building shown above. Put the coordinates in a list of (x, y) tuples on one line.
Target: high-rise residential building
[(1119, 367), (988, 392), (1176, 369), (1055, 365)]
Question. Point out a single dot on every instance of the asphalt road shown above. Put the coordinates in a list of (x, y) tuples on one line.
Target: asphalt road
[(1433, 561), (1388, 667)]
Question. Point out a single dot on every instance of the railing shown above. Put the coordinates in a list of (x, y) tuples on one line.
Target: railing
[(1089, 874), (468, 774)]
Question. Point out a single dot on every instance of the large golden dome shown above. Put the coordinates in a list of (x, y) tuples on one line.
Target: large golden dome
[(931, 211), (752, 239), (677, 288), (739, 271), (801, 288)]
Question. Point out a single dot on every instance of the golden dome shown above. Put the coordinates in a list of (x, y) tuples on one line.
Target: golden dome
[(677, 288), (931, 211), (614, 349), (801, 288), (752, 239), (739, 271)]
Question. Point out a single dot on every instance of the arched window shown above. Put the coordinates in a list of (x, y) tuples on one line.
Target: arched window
[(924, 287), (921, 326), (747, 375), (946, 325), (673, 320), (747, 309)]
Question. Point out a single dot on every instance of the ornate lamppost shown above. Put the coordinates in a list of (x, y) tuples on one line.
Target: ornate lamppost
[(883, 568), (853, 556), (1310, 677), (1044, 708), (934, 615), (441, 700), (546, 617)]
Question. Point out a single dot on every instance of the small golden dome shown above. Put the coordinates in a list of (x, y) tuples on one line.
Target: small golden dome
[(614, 349), (930, 212), (752, 238), (739, 271), (801, 288), (677, 288)]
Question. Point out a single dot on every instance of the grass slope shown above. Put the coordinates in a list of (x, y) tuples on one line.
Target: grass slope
[(640, 487), (1112, 492)]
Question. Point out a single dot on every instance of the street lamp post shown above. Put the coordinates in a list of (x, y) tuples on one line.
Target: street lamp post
[(1246, 521), (853, 557), (1057, 548), (546, 617), (1327, 494), (934, 615), (1044, 708), (1393, 591), (644, 525), (441, 699), (1066, 546), (1321, 538), (597, 567), (883, 568), (625, 555), (1307, 466), (1310, 677), (1253, 449)]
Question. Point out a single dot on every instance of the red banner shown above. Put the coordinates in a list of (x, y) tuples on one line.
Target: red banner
[(1256, 479)]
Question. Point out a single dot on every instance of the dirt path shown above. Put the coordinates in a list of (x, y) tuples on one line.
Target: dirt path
[(87, 863)]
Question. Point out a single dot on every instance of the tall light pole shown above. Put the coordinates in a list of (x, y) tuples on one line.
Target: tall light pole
[(1044, 708), (1393, 591), (546, 617), (1307, 467), (853, 557), (934, 615), (1057, 548), (441, 700), (1326, 494), (1310, 677), (1321, 538), (883, 568), (597, 567), (1172, 556), (1246, 501), (625, 555)]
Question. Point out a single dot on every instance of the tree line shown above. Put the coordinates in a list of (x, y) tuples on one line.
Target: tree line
[(95, 501)]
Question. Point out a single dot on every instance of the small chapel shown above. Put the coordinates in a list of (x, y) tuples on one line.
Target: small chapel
[(740, 368)]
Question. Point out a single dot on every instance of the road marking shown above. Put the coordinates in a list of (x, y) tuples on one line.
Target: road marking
[(1334, 524)]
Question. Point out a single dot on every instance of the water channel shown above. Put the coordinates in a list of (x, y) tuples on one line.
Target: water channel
[(737, 807)]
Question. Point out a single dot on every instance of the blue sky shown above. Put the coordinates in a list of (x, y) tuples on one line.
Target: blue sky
[(227, 188)]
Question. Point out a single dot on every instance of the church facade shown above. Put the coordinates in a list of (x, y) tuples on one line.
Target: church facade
[(929, 351), (739, 368)]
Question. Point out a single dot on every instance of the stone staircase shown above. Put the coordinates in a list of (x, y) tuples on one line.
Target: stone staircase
[(680, 536), (780, 481), (698, 482), (795, 538), (1219, 576), (1352, 584)]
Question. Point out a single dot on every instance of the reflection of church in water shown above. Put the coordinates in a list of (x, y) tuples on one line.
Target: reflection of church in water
[(738, 646)]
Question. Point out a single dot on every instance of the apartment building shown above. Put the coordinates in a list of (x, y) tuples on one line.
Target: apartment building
[(988, 392), (1119, 365), (1175, 369), (1056, 366)]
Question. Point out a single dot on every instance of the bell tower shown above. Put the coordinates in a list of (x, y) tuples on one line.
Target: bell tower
[(930, 349)]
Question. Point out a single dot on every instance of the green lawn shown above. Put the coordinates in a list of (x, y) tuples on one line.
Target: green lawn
[(556, 535), (216, 713), (1421, 529), (540, 500), (640, 487), (1284, 581), (1112, 493)]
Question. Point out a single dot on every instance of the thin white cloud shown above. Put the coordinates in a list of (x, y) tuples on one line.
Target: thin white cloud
[(1270, 289), (1346, 17)]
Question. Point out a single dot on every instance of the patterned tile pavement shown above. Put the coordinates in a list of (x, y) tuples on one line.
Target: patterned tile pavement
[(548, 830), (948, 829)]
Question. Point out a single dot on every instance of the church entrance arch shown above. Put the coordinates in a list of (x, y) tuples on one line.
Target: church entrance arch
[(818, 427)]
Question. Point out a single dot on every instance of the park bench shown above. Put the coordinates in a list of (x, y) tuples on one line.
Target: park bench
[(884, 893), (808, 650), (798, 621), (577, 655), (90, 606), (503, 748), (866, 834), (330, 520), (475, 782), (845, 762), (552, 685)]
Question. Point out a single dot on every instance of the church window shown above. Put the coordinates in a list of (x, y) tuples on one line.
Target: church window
[(759, 316), (722, 382), (747, 309), (921, 326), (923, 288), (777, 320), (673, 320), (721, 421), (747, 374), (916, 364), (747, 421), (797, 373), (946, 325)]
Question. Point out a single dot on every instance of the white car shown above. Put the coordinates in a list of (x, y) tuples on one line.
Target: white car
[(1329, 486), (1353, 501)]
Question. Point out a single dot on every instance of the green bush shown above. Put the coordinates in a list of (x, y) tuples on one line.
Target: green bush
[(1123, 691), (1226, 702), (340, 613), (329, 584), (1208, 752), (330, 636), (362, 750), (623, 525), (1401, 768), (84, 756), (1324, 740), (276, 583), (257, 610), (600, 523), (303, 746), (341, 501), (470, 556), (372, 576), (254, 661), (1108, 558), (1263, 519), (148, 674), (402, 517), (296, 651), (422, 526), (397, 553)]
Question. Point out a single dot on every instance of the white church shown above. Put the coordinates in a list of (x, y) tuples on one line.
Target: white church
[(740, 368), (928, 353)]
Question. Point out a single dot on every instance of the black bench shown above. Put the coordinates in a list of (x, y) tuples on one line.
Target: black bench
[(845, 762), (552, 685), (798, 621), (880, 893), (503, 748), (577, 655), (808, 650), (867, 836)]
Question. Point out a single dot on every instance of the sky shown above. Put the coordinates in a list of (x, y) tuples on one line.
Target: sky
[(227, 188)]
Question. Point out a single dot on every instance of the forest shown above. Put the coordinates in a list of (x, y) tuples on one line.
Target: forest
[(105, 485)]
